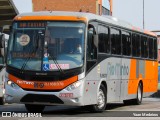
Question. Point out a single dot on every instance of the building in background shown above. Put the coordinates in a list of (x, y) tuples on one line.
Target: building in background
[(7, 12), (100, 7)]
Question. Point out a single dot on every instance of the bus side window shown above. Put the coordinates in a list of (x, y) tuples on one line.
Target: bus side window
[(135, 45), (151, 51), (126, 42), (144, 46), (155, 49), (115, 41), (104, 42), (91, 48)]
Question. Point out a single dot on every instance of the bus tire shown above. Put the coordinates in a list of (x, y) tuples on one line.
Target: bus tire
[(139, 97), (101, 103), (34, 108)]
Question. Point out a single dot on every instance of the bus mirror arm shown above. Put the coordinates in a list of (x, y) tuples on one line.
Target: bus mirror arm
[(95, 40)]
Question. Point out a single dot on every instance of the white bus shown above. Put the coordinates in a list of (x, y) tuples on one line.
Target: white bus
[(78, 59)]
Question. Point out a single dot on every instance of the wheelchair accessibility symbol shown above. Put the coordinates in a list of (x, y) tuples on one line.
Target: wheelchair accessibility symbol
[(45, 67)]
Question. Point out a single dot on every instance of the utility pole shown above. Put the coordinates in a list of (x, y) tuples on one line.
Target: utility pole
[(143, 15)]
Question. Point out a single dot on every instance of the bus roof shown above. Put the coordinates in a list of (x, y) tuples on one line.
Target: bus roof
[(76, 16)]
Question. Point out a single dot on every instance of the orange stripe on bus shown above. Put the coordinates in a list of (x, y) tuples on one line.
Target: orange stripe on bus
[(61, 18), (150, 33), (133, 81), (43, 85), (149, 79), (144, 31)]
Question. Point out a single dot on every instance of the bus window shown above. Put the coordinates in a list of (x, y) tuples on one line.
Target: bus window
[(126, 42), (104, 43), (151, 51), (144, 46), (155, 48), (91, 48), (135, 45), (115, 42)]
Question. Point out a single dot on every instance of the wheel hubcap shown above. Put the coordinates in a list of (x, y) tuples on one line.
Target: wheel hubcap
[(139, 93), (101, 99)]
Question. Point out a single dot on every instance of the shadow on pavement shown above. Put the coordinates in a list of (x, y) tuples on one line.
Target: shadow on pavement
[(77, 111)]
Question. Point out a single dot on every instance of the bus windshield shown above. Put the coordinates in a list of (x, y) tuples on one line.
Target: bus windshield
[(46, 46)]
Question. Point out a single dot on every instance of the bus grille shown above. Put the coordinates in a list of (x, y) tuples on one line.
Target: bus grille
[(41, 98)]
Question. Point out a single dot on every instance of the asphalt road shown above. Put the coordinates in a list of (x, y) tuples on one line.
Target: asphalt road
[(148, 110)]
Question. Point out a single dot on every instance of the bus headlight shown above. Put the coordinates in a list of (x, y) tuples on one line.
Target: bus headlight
[(9, 82), (12, 84), (74, 85)]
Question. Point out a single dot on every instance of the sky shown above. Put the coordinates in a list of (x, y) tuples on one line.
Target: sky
[(23, 5), (127, 10), (132, 11)]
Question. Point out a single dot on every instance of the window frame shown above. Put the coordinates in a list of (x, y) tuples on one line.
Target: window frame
[(152, 49), (155, 49), (122, 46), (137, 39), (144, 39), (117, 29), (109, 41), (132, 32)]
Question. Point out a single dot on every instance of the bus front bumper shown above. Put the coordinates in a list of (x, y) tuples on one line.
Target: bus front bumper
[(15, 94)]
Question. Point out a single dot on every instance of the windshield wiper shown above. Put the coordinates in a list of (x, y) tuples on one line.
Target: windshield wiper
[(26, 61), (57, 64), (33, 50)]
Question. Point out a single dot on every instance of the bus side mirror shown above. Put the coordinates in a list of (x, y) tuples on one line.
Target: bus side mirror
[(2, 45), (95, 40), (2, 41)]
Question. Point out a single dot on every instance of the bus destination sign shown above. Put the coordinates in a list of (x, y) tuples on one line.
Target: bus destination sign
[(31, 24)]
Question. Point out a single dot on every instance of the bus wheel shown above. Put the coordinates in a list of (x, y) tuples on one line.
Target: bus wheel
[(138, 100), (101, 103), (34, 108)]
